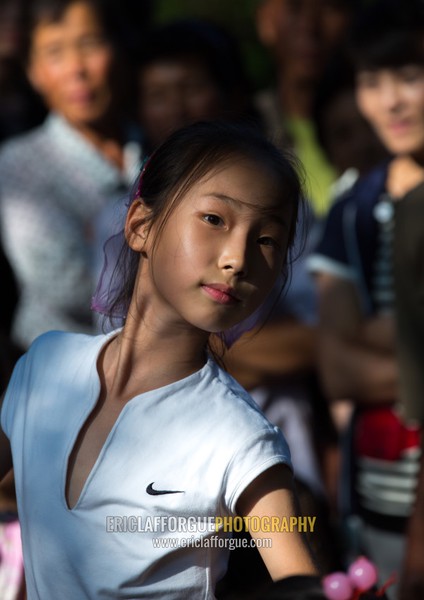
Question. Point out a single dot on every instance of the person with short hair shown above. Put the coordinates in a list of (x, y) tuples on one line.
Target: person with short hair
[(360, 350)]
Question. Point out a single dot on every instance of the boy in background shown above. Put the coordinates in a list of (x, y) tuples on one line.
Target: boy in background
[(359, 349)]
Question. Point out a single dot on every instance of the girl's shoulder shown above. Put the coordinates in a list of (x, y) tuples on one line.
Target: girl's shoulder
[(232, 405), (61, 351), (54, 362), (245, 443), (64, 340)]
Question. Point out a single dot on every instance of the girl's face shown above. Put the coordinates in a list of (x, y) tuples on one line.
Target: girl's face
[(219, 254), (71, 65), (393, 102)]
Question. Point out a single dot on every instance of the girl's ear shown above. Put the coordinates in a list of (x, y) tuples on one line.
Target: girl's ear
[(137, 226)]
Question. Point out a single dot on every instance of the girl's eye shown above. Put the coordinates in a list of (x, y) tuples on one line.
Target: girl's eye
[(213, 219), (267, 241)]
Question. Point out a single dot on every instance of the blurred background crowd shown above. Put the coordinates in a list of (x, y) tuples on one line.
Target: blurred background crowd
[(89, 89)]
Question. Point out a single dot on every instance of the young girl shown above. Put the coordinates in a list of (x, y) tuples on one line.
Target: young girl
[(113, 435)]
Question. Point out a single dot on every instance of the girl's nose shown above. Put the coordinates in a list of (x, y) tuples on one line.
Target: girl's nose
[(234, 257)]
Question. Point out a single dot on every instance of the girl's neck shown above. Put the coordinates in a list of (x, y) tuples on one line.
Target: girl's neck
[(142, 358)]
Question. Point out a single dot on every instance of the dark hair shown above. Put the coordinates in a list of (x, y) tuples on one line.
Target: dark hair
[(179, 163), (52, 11), (388, 34), (212, 48), (206, 42), (128, 22), (337, 78)]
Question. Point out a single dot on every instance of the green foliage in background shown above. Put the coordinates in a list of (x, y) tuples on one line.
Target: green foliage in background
[(237, 16)]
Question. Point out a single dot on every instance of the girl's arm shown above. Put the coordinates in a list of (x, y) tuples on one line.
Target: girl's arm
[(271, 495), (5, 455)]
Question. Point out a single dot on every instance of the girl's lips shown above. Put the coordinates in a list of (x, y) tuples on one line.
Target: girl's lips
[(221, 294)]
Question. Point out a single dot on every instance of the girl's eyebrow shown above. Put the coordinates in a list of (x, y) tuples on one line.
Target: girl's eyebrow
[(227, 199), (272, 212)]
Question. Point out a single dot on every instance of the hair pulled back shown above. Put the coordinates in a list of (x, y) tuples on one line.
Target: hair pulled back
[(185, 158)]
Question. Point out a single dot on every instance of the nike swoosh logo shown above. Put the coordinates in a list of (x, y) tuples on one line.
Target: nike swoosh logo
[(152, 492)]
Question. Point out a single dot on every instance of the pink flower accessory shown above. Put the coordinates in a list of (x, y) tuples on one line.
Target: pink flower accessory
[(110, 280), (143, 168), (359, 582)]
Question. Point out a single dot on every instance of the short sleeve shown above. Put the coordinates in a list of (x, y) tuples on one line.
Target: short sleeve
[(330, 255), (11, 397), (257, 454)]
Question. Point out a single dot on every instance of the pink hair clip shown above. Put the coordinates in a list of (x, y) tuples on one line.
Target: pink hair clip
[(143, 168)]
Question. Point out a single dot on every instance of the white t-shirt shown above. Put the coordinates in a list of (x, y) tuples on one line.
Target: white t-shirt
[(202, 438)]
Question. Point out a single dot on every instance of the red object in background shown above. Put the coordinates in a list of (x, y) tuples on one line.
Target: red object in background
[(380, 433)]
